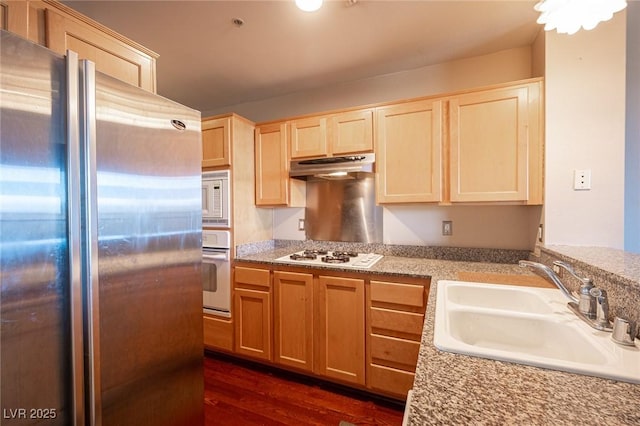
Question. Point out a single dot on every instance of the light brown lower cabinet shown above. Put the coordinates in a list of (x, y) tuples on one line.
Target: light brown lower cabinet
[(347, 328), (252, 312), (394, 329), (319, 325), (293, 319), (340, 323), (218, 333)]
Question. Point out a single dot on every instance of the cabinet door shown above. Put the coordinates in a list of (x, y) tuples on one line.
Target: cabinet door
[(293, 319), (488, 137), (216, 142), (309, 137), (408, 146), (351, 132), (252, 317), (218, 332), (340, 329), (272, 179), (4, 16), (111, 56)]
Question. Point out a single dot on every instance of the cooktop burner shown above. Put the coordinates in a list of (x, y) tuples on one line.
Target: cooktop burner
[(335, 259), (343, 258), (304, 255)]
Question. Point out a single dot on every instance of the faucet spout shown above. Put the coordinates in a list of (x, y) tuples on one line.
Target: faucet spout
[(551, 275)]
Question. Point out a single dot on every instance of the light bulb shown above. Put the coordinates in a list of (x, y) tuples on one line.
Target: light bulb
[(309, 5)]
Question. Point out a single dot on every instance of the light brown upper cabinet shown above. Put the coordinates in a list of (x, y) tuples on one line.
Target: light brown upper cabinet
[(327, 136), (408, 152), (58, 27), (351, 132), (490, 144), (309, 137), (272, 181), (274, 187), (216, 142), (481, 146)]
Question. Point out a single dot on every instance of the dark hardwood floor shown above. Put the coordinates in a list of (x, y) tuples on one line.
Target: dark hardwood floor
[(241, 393)]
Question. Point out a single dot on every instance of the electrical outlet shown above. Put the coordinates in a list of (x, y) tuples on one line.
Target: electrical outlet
[(582, 180), (557, 270), (300, 224), (541, 233), (447, 227)]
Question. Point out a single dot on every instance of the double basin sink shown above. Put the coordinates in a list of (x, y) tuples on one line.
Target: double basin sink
[(527, 325)]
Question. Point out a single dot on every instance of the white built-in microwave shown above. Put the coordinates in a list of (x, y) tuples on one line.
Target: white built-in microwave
[(216, 199)]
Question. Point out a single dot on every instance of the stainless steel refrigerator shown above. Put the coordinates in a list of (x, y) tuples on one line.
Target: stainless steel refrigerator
[(100, 251)]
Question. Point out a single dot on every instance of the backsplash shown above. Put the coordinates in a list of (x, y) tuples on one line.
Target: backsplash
[(615, 271), (462, 254)]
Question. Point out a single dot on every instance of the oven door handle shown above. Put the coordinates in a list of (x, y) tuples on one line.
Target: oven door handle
[(222, 255)]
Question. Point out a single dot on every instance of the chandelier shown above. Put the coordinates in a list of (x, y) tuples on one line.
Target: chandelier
[(568, 16)]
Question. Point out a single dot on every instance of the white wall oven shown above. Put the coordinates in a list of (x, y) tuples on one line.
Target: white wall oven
[(216, 272), (216, 199)]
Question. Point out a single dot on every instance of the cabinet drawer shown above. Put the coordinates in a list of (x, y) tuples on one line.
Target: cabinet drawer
[(399, 294), (390, 380), (394, 352), (252, 276), (404, 324)]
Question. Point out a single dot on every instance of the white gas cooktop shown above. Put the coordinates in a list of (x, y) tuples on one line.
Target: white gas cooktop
[(340, 258)]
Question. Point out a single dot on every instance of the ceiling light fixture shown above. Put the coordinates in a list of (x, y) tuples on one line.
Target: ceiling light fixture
[(309, 5), (568, 16)]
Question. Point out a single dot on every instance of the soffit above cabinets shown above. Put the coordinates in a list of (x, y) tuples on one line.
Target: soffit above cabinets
[(207, 62)]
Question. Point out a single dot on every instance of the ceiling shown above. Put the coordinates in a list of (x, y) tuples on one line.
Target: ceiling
[(207, 62)]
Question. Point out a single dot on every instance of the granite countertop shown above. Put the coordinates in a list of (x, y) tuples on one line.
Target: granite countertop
[(460, 390), (624, 265), (394, 265)]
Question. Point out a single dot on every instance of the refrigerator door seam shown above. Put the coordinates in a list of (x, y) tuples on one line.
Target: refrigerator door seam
[(90, 213)]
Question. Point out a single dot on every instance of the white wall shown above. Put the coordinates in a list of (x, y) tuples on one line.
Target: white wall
[(498, 67), (505, 227), (488, 227), (632, 152), (585, 129)]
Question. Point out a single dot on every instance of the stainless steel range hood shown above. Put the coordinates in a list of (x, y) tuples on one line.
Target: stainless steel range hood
[(333, 167)]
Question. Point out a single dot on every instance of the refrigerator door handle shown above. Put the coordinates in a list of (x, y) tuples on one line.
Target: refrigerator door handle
[(74, 232), (90, 254)]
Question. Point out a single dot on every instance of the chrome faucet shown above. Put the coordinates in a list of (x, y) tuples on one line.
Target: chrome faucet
[(551, 275), (602, 314), (586, 300), (591, 305)]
